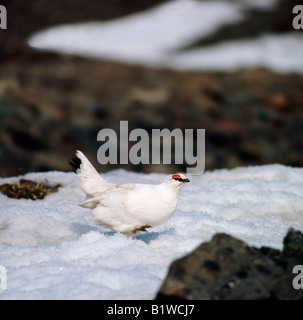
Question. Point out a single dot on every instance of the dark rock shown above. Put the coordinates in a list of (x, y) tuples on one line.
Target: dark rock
[(293, 244), (226, 268)]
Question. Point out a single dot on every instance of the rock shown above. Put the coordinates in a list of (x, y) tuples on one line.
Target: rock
[(293, 244), (227, 268), (277, 101)]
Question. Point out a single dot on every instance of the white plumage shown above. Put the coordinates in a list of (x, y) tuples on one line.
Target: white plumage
[(127, 208)]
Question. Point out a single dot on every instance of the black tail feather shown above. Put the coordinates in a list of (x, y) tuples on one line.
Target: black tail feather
[(75, 163)]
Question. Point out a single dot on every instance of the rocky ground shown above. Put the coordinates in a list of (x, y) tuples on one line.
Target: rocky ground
[(52, 104), (226, 268)]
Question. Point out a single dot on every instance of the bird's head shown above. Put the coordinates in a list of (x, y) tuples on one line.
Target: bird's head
[(178, 179)]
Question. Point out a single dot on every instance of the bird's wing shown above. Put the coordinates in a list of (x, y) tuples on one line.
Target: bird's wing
[(92, 202), (115, 194), (91, 182)]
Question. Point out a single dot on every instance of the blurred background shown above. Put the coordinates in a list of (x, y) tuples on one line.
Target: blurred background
[(53, 103)]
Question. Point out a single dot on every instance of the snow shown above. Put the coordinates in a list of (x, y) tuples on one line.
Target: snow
[(155, 37), (280, 53), (258, 4), (53, 249)]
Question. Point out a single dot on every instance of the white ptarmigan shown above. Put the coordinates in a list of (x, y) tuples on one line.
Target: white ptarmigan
[(127, 208)]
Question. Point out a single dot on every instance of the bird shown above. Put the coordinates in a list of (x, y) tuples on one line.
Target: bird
[(128, 208)]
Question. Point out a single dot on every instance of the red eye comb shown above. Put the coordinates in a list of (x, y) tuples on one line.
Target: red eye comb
[(176, 176)]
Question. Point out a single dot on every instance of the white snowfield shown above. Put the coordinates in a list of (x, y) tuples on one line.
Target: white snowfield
[(155, 37), (53, 249)]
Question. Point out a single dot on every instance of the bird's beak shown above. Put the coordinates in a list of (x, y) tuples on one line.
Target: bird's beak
[(186, 180)]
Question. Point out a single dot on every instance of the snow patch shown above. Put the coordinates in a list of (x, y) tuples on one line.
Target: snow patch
[(53, 249), (154, 37)]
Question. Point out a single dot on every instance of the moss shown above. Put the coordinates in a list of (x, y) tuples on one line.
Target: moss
[(27, 189)]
